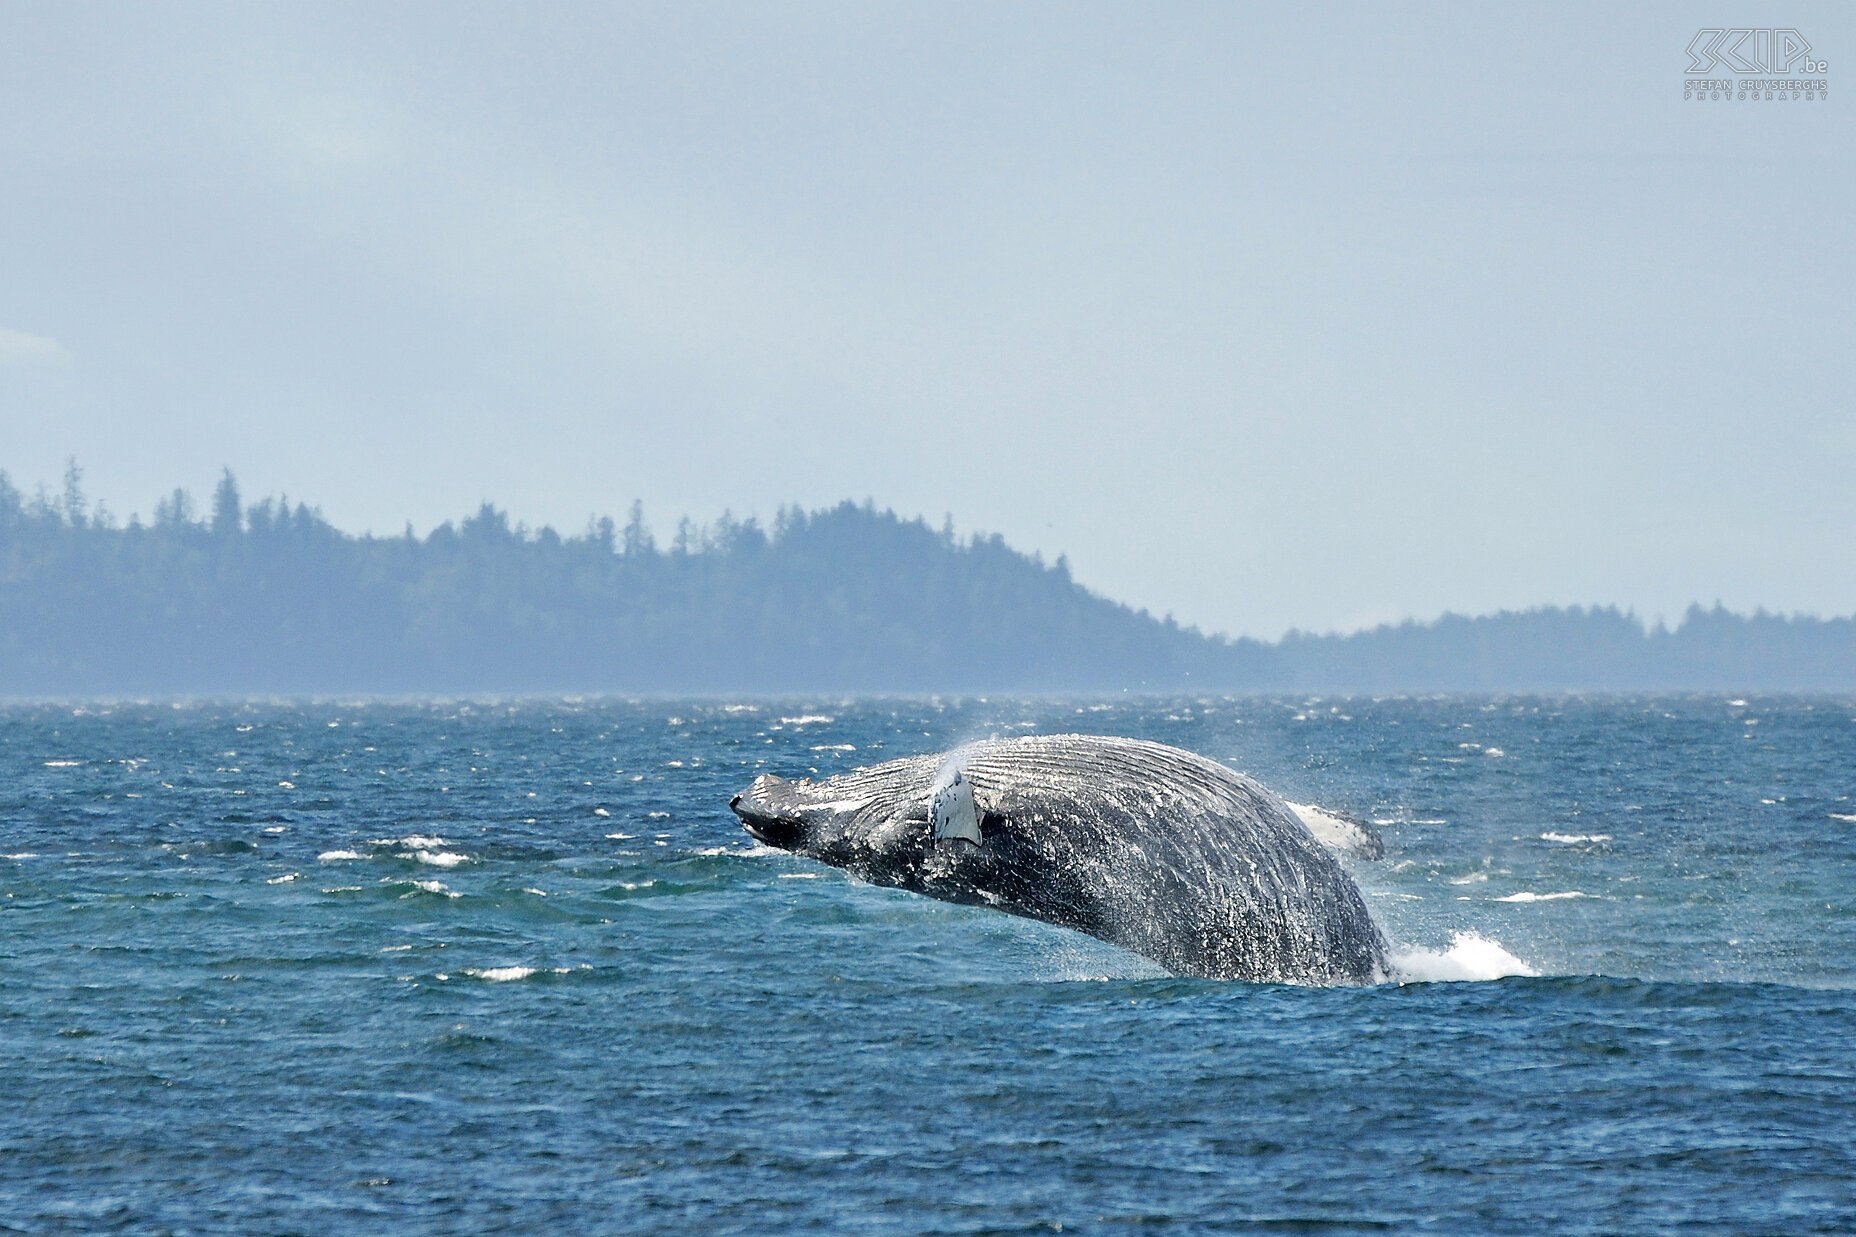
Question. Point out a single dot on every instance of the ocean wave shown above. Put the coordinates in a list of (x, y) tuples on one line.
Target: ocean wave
[(509, 974), (436, 858), (414, 888), (1573, 839)]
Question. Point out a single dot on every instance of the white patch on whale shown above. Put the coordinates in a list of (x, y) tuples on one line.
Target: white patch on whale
[(1338, 833)]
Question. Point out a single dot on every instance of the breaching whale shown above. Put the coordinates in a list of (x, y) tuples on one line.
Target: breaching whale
[(1148, 847)]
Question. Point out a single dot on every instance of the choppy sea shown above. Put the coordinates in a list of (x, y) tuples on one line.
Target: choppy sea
[(443, 967)]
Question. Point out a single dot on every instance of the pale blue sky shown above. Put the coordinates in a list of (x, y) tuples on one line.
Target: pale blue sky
[(1269, 320)]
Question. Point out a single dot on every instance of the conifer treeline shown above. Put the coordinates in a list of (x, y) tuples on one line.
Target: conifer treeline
[(270, 598)]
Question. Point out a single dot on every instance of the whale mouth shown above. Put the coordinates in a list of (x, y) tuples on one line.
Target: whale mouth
[(765, 825)]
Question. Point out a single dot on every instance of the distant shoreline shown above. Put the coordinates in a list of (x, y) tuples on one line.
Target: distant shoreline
[(271, 601)]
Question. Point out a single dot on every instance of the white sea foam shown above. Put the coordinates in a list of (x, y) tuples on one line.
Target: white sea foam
[(807, 719), (1525, 896), (799, 876), (835, 747), (500, 974), (600, 811), (22, 854), (437, 858), (1470, 956), (621, 837), (419, 841), (1573, 839), (285, 879), (413, 887), (331, 856), (1843, 816), (63, 764), (1474, 878), (507, 974)]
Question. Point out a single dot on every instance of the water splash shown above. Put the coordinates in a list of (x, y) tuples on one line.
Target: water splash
[(1470, 956)]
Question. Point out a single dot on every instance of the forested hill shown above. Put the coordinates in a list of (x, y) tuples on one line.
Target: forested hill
[(271, 599)]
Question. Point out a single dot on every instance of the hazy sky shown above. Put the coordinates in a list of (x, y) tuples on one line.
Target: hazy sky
[(1266, 320)]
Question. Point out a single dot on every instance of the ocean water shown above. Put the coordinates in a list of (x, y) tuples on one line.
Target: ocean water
[(512, 966)]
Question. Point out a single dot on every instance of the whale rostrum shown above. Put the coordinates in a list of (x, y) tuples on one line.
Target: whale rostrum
[(1148, 847)]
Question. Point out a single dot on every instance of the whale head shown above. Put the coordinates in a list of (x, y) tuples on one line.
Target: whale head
[(776, 811), (820, 819)]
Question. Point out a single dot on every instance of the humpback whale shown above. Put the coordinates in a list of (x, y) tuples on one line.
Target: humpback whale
[(1148, 847)]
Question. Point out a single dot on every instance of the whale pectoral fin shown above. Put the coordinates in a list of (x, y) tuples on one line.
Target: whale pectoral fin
[(954, 813)]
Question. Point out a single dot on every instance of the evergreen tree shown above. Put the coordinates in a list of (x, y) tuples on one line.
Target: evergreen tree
[(74, 506), (638, 541), (227, 513)]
